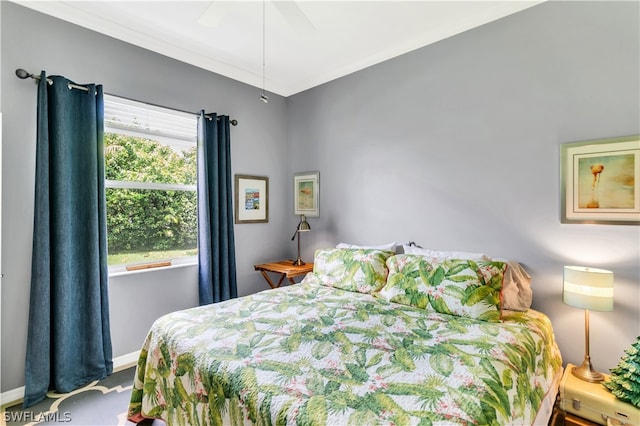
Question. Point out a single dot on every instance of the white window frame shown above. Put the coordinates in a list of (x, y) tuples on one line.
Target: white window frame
[(176, 135)]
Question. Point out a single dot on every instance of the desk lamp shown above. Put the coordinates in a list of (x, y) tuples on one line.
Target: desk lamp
[(303, 226)]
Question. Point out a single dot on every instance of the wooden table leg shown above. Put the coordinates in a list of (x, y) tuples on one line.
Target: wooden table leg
[(268, 278)]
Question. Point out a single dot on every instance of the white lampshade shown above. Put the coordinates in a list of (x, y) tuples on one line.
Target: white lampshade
[(588, 288)]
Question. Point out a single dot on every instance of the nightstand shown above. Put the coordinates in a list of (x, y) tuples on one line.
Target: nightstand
[(285, 268), (587, 404)]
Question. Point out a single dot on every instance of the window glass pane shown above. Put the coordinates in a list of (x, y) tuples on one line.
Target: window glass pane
[(145, 225), (138, 159)]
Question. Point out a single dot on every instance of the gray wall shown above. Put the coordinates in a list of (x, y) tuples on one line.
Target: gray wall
[(456, 146), (35, 42)]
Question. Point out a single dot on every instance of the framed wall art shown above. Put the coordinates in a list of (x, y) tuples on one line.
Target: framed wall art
[(306, 194), (251, 199), (600, 181)]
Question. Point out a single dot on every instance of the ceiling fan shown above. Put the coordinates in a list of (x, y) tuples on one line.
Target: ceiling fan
[(289, 9)]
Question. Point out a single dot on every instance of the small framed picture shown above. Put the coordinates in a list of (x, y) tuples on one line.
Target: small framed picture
[(306, 194), (601, 181), (251, 199)]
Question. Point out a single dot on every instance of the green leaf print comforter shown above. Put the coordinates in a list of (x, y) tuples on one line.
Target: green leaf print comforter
[(315, 355)]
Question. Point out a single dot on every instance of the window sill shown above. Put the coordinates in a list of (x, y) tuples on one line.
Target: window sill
[(120, 270)]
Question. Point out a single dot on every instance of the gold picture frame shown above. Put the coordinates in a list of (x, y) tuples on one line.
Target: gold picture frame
[(306, 194), (600, 181), (251, 199)]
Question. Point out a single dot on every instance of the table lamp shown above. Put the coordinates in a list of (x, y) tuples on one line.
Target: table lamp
[(589, 289), (303, 226)]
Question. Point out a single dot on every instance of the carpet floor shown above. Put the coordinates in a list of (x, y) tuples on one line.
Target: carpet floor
[(102, 402)]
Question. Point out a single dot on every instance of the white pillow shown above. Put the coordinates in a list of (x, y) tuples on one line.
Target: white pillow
[(444, 255), (387, 247)]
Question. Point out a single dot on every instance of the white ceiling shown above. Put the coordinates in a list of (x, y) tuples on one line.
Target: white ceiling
[(307, 43)]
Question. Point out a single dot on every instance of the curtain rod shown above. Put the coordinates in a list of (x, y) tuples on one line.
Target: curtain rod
[(23, 74)]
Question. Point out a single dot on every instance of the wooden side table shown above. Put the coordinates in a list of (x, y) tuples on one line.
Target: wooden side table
[(285, 268)]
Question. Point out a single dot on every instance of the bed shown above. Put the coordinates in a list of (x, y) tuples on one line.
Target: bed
[(369, 337)]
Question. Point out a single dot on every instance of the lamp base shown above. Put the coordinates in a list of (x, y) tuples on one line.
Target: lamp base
[(587, 373), (298, 262)]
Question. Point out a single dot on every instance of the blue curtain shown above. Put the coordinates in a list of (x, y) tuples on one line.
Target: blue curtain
[(68, 342), (216, 247)]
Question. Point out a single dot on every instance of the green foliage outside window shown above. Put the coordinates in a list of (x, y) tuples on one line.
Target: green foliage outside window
[(149, 220)]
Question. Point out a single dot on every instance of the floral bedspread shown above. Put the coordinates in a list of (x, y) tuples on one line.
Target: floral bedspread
[(315, 355)]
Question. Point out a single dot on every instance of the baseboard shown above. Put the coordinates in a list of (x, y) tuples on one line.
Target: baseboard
[(14, 396), (125, 361), (11, 397)]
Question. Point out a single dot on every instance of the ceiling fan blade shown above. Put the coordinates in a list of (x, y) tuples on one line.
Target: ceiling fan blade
[(294, 16), (290, 11), (212, 16)]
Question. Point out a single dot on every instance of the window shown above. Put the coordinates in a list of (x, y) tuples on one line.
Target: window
[(150, 172)]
